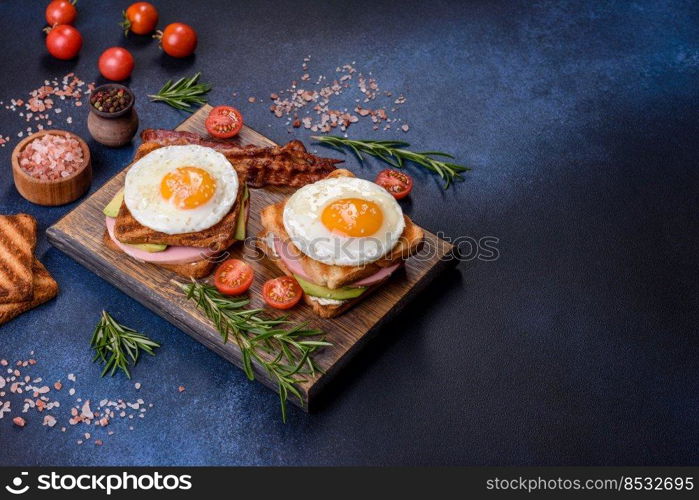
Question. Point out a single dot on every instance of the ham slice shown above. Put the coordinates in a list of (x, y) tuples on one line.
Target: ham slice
[(380, 275), (295, 267), (171, 255), (290, 262)]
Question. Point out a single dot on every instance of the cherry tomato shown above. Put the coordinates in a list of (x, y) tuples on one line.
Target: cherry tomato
[(233, 277), (61, 12), (141, 18), (395, 182), (64, 42), (282, 293), (224, 122), (178, 40), (116, 63)]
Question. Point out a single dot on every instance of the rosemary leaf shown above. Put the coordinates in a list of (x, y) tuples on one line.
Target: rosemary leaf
[(183, 94), (118, 346), (395, 154), (283, 349)]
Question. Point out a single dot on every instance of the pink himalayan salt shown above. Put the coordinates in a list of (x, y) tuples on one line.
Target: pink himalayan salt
[(51, 157)]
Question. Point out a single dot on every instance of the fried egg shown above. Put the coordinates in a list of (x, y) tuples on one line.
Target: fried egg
[(343, 221), (180, 189)]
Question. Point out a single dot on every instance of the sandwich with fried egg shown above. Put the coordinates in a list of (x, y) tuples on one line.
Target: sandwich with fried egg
[(181, 206), (340, 237)]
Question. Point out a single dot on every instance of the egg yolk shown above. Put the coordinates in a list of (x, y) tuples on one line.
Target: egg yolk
[(352, 217), (188, 187)]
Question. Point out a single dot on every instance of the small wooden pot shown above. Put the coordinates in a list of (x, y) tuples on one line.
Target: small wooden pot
[(55, 192), (113, 129)]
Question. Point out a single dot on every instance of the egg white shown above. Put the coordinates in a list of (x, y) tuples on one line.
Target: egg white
[(144, 201), (302, 221)]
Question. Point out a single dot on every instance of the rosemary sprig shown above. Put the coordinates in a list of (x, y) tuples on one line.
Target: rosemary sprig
[(395, 154), (282, 348), (183, 93), (117, 345)]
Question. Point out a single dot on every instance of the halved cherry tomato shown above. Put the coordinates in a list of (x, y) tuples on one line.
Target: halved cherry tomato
[(140, 18), (64, 42), (395, 182), (178, 39), (61, 12), (233, 277), (282, 293), (224, 122)]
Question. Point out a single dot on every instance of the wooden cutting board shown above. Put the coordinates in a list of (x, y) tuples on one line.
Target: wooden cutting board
[(79, 234)]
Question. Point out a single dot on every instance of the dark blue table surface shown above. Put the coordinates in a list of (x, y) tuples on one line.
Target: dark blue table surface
[(577, 346)]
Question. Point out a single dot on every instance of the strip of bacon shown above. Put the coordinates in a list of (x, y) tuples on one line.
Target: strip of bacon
[(288, 165)]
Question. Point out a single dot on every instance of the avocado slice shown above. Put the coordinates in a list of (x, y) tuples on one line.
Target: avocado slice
[(112, 208), (329, 293), (149, 247), (240, 228)]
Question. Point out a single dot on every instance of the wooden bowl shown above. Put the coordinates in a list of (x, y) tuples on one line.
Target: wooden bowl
[(55, 192)]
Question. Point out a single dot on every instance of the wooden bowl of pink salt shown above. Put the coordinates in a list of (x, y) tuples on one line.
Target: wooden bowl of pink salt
[(52, 167)]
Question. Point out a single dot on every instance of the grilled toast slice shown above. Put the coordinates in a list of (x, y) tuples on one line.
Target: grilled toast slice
[(331, 276), (196, 270), (17, 243), (322, 310), (217, 238), (44, 289)]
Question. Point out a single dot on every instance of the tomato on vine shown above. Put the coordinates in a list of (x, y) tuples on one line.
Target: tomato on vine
[(61, 12), (64, 42), (140, 18), (116, 63), (178, 40)]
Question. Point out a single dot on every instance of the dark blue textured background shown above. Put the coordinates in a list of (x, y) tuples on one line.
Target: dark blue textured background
[(577, 346)]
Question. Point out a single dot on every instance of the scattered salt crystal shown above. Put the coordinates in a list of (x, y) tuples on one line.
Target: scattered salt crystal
[(86, 411), (5, 408)]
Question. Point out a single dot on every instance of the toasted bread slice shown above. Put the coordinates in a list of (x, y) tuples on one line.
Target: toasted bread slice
[(17, 243), (218, 237), (331, 276), (322, 310), (198, 269), (44, 289)]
